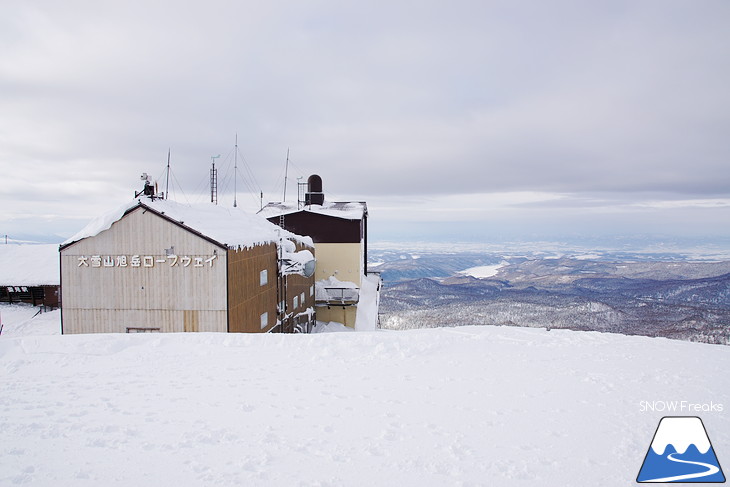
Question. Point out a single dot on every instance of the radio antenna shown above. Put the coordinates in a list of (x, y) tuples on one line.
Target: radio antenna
[(214, 181), (286, 172), (235, 171), (167, 178)]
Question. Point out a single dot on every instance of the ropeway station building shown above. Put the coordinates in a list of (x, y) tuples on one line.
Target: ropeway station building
[(154, 265), (346, 292)]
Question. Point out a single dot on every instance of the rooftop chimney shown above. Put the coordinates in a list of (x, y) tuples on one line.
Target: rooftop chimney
[(314, 194)]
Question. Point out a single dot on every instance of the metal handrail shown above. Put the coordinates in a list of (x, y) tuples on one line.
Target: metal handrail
[(341, 295)]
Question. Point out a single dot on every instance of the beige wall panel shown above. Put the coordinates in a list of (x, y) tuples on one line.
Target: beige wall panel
[(191, 320), (144, 232), (114, 293), (343, 260), (117, 321), (345, 315)]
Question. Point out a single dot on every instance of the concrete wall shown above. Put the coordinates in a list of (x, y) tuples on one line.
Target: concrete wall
[(341, 314), (342, 260), (345, 262)]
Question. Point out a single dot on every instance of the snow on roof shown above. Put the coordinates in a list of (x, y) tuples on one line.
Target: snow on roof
[(29, 265), (349, 210), (228, 226)]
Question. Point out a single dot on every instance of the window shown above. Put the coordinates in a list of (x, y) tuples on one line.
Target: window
[(311, 291), (296, 302), (301, 299), (264, 320), (264, 277)]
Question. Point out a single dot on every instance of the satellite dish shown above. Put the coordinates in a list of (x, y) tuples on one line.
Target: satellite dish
[(309, 268)]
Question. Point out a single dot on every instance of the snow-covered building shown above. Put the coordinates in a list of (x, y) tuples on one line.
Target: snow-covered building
[(156, 265), (345, 293), (29, 273)]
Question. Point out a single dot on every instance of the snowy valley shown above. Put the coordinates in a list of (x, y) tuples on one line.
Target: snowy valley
[(635, 294)]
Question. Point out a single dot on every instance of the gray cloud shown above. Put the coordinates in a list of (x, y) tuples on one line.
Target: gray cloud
[(382, 98)]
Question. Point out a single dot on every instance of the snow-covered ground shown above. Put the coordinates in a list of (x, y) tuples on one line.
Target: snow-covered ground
[(29, 265), (453, 406), (24, 319), (484, 271)]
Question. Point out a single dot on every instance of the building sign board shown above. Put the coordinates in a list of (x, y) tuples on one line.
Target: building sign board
[(148, 261)]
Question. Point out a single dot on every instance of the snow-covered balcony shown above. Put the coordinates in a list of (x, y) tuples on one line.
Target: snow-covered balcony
[(333, 292)]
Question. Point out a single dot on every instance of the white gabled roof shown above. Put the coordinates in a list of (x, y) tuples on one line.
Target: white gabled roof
[(29, 265), (349, 210), (228, 226)]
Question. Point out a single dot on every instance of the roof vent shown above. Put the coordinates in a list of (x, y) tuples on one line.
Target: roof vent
[(314, 195)]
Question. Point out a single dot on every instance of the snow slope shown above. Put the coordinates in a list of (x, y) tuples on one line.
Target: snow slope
[(21, 320), (452, 406)]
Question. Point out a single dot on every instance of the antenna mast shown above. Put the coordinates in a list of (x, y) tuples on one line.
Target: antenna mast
[(167, 178), (286, 172), (214, 181), (235, 171)]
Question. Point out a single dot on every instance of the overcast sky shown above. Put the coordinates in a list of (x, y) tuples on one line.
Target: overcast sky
[(498, 117)]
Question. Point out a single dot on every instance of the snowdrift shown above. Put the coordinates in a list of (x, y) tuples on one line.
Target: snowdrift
[(451, 406)]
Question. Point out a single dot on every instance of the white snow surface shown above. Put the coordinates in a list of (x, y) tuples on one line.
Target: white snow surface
[(366, 318), (349, 210), (302, 257), (483, 271), (231, 226), (330, 327), (434, 407), (29, 265), (24, 320), (332, 281)]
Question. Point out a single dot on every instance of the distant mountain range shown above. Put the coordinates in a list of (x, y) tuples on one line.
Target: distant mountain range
[(669, 298)]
